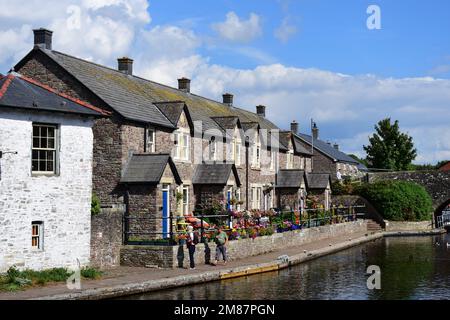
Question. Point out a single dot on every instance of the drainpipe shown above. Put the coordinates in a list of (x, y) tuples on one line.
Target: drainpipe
[(246, 171), (127, 215)]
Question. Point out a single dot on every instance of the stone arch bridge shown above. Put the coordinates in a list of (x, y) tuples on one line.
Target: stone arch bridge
[(437, 183)]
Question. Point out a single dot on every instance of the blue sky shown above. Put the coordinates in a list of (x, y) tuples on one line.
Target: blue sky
[(302, 59), (332, 35)]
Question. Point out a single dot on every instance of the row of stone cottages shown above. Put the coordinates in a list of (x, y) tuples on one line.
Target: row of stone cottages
[(69, 127)]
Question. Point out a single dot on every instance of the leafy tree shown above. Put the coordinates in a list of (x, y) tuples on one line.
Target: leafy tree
[(362, 161), (389, 148), (398, 200)]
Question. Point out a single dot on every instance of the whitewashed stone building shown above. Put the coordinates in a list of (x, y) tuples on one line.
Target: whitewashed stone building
[(46, 151)]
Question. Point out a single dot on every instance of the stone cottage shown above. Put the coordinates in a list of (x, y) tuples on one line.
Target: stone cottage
[(194, 136), (328, 158), (46, 153)]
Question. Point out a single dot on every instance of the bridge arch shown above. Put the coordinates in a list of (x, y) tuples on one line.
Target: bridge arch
[(440, 209)]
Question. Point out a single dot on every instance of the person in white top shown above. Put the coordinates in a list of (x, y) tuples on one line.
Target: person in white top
[(339, 175)]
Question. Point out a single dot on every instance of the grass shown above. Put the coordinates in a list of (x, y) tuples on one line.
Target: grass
[(15, 279)]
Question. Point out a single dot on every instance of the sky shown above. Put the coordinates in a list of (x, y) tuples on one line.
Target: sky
[(303, 59)]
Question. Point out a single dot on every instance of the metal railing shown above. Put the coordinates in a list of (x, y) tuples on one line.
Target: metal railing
[(443, 220), (308, 218)]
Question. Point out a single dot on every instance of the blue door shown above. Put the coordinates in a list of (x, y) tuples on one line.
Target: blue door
[(165, 211), (229, 205)]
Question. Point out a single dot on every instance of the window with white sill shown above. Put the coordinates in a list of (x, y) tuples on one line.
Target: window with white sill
[(185, 200), (44, 149), (237, 152), (290, 160), (212, 150), (151, 140), (182, 144), (37, 235)]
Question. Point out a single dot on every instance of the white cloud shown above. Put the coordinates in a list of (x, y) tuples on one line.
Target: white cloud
[(345, 107), (285, 31), (238, 30)]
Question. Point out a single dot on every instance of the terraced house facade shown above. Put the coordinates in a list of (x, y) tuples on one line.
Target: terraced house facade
[(165, 151)]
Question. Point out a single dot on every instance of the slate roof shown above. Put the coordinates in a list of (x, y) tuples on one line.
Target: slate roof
[(290, 178), (171, 109), (328, 150), (134, 97), (17, 91), (148, 168), (299, 148), (317, 180), (216, 174)]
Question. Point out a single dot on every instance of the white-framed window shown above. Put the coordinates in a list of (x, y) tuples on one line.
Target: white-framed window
[(256, 156), (256, 197), (212, 150), (302, 163), (151, 140), (237, 196), (37, 235), (185, 200), (182, 141), (271, 157), (237, 152), (290, 160), (44, 149)]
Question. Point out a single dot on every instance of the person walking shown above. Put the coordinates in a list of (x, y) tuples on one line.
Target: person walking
[(221, 242), (191, 242)]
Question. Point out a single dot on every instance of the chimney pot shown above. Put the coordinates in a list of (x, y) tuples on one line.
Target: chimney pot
[(336, 146), (43, 38), (261, 111), (125, 65), (294, 127), (315, 131), (184, 84), (228, 99)]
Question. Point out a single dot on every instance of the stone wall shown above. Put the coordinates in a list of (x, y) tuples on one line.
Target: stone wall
[(408, 226), (62, 202), (106, 237), (177, 256)]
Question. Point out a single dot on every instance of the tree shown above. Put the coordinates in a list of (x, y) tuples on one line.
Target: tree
[(362, 161), (389, 148)]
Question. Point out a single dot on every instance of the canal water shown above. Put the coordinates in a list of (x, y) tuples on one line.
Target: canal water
[(411, 268)]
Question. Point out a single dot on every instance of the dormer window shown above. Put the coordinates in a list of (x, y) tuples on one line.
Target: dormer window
[(212, 147)]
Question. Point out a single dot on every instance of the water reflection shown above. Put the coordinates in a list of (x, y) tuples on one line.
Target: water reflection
[(411, 268)]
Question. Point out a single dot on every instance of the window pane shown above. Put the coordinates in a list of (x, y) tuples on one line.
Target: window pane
[(35, 142), (50, 166), (51, 132), (51, 143), (43, 142), (42, 166), (35, 131)]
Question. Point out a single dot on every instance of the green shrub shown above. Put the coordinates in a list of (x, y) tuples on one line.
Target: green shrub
[(95, 205), (398, 200), (91, 273)]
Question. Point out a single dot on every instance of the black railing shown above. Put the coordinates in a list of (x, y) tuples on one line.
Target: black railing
[(137, 231)]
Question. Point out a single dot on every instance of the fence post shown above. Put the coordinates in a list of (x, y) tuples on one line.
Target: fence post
[(171, 227), (309, 220)]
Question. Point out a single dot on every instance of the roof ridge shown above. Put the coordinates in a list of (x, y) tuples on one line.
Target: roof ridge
[(148, 80), (9, 79), (65, 96)]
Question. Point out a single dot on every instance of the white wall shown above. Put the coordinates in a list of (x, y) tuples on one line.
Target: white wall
[(62, 202)]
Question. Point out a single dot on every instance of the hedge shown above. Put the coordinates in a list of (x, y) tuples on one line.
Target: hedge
[(398, 200)]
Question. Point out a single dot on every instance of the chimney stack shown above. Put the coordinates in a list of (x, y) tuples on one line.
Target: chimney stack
[(43, 38), (125, 65), (315, 131), (184, 84), (228, 99), (336, 146), (294, 127), (261, 111)]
